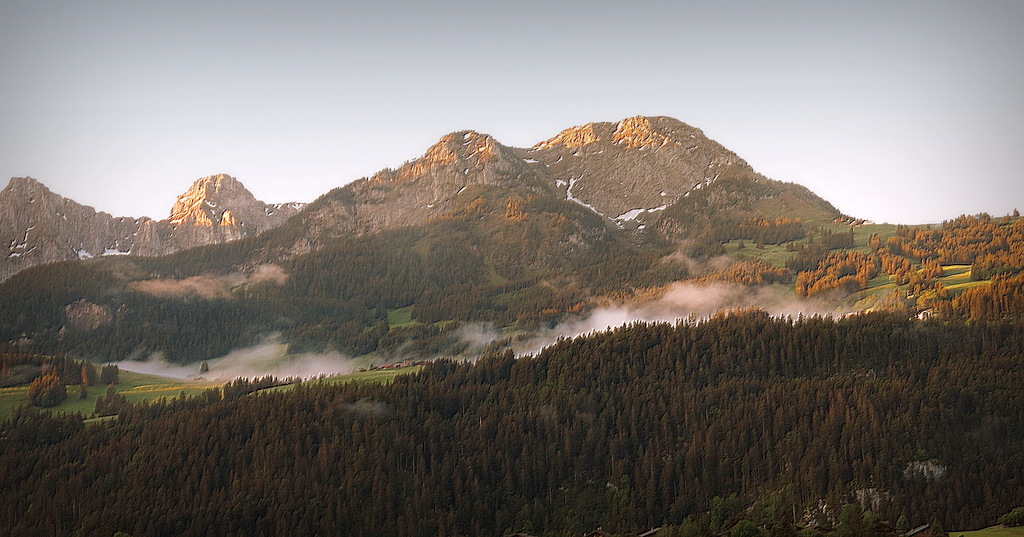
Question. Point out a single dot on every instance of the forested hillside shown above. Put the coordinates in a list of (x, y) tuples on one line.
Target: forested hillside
[(635, 428)]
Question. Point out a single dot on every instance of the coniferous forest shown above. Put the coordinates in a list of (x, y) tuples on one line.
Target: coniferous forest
[(647, 425)]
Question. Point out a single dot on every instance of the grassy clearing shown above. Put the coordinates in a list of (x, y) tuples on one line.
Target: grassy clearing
[(993, 531), (401, 317), (777, 254), (957, 278), (862, 235), (136, 387), (144, 387), (774, 254), (375, 376)]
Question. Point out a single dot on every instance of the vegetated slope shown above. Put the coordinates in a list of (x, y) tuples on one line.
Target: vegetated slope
[(625, 430), (471, 231), (523, 266), (39, 226)]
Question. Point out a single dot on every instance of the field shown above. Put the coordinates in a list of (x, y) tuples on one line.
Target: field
[(957, 278), (401, 317), (145, 387), (135, 386), (777, 254), (992, 531), (377, 376)]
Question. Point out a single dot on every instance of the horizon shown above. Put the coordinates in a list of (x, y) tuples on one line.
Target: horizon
[(893, 113)]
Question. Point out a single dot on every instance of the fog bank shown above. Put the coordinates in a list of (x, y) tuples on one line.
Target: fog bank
[(270, 358)]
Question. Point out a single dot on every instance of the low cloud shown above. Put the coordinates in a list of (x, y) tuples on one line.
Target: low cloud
[(678, 301), (270, 358), (369, 408), (682, 301), (207, 286)]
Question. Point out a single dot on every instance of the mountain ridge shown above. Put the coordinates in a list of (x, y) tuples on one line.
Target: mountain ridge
[(39, 226), (629, 172), (472, 231)]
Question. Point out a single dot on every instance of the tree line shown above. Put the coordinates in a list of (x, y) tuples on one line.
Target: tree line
[(639, 427)]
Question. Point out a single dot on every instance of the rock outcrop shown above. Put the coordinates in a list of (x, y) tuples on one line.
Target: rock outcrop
[(38, 226), (629, 169)]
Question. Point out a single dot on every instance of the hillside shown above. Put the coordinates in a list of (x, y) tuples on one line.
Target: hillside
[(775, 421), (476, 237)]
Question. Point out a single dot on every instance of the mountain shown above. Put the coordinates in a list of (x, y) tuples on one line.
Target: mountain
[(39, 226), (638, 166), (634, 174), (473, 231)]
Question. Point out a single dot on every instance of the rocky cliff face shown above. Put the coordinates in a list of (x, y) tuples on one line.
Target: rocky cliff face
[(628, 172), (449, 177), (219, 209), (38, 226), (631, 169)]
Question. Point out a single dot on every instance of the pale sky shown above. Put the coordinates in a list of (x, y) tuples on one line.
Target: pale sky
[(904, 112)]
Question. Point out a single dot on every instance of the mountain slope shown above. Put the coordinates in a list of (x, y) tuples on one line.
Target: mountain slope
[(38, 226), (638, 163), (630, 173), (472, 231)]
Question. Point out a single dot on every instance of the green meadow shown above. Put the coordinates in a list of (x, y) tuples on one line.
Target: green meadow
[(992, 531), (139, 387)]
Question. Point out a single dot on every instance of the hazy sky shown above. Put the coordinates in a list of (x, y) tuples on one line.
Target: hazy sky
[(893, 111)]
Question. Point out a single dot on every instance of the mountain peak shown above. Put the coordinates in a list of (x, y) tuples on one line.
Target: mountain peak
[(464, 151), (199, 205), (462, 146), (25, 185), (638, 133), (572, 137)]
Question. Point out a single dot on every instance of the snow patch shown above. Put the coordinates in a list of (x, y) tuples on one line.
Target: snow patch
[(570, 197), (115, 251), (529, 161), (629, 215), (82, 254)]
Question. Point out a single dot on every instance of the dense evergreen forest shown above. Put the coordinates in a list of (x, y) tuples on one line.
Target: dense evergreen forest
[(643, 426)]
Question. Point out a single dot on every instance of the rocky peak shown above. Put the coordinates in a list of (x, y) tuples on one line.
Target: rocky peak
[(24, 184), (463, 151), (204, 204), (633, 167), (28, 190), (571, 137), (38, 226), (638, 133)]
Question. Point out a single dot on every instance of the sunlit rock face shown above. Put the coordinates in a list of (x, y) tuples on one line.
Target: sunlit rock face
[(38, 226), (628, 172), (219, 209), (627, 169)]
